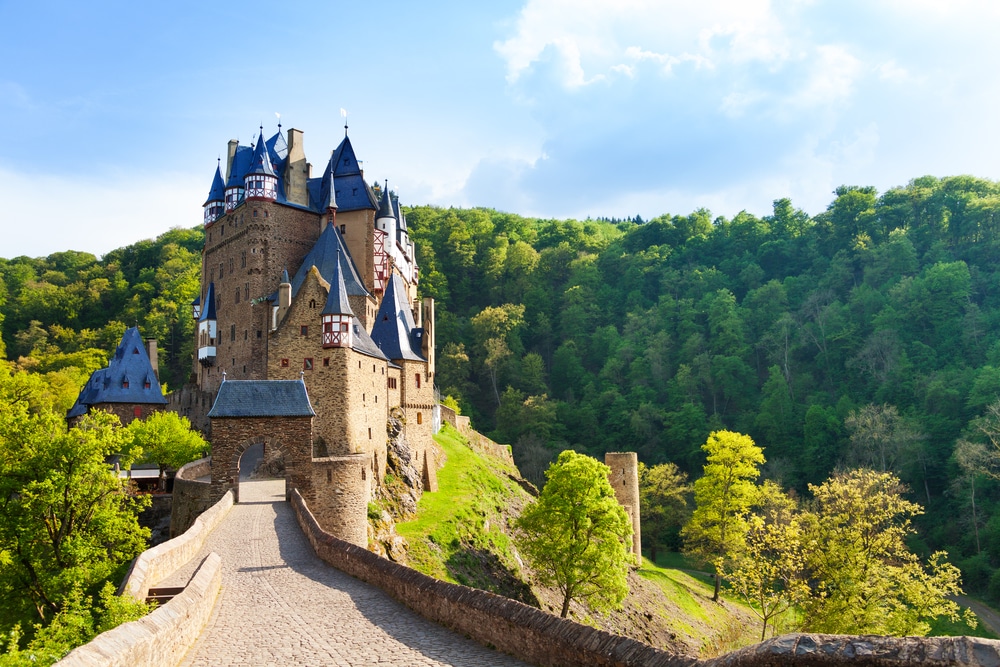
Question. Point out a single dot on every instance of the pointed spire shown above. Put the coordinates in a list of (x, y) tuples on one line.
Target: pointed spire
[(284, 276), (385, 208), (208, 308), (218, 191), (260, 163), (337, 302)]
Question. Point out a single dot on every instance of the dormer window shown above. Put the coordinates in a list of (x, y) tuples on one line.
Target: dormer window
[(125, 383)]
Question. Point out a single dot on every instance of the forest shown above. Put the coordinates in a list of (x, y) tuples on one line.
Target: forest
[(864, 336)]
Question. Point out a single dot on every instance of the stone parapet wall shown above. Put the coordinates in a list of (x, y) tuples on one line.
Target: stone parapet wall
[(806, 650), (481, 444), (544, 639), (450, 416), (192, 495), (156, 564), (512, 627), (163, 636)]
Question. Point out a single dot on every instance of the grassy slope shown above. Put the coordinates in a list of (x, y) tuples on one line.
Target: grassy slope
[(462, 534)]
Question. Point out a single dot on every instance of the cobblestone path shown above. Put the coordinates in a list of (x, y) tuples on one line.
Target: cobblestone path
[(281, 605)]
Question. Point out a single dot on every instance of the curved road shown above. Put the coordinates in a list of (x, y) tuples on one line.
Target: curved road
[(281, 605)]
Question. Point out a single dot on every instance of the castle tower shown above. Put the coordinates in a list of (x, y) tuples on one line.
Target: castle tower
[(208, 329), (234, 180), (624, 478), (215, 205), (337, 315), (260, 181)]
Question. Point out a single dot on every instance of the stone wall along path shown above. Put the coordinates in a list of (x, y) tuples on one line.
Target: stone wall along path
[(281, 605)]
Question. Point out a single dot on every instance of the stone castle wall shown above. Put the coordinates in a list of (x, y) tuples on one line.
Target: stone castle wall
[(193, 403), (245, 253), (341, 490)]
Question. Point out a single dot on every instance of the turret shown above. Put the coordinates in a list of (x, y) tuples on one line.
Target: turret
[(234, 184), (216, 202), (284, 298), (208, 329), (337, 315), (260, 181)]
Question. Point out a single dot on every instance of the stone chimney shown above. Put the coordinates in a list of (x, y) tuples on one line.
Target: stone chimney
[(230, 154), (296, 170), (153, 358)]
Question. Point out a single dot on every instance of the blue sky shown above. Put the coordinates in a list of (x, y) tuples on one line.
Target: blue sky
[(114, 113)]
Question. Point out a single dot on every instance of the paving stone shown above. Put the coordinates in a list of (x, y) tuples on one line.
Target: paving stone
[(281, 605)]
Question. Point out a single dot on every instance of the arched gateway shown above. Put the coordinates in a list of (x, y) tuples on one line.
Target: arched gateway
[(275, 413)]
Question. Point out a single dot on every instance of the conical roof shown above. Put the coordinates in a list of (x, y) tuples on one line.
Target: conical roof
[(385, 208), (208, 310), (260, 163), (395, 332), (218, 191), (337, 302)]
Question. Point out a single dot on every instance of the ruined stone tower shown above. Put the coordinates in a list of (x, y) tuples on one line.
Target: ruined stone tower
[(624, 478)]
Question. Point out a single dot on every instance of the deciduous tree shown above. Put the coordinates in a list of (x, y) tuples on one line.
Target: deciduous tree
[(576, 535)]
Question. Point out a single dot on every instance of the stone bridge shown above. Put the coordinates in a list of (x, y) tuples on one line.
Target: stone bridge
[(282, 603)]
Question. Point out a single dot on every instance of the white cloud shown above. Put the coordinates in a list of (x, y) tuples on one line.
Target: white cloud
[(831, 78)]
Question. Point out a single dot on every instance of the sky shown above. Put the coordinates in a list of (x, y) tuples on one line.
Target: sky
[(113, 114)]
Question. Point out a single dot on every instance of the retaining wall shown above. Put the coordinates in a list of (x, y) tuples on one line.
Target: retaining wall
[(191, 495), (512, 627), (481, 444), (163, 636), (156, 564)]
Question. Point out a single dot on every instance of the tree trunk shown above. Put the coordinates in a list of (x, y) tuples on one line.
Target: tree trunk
[(565, 607), (652, 552), (718, 585)]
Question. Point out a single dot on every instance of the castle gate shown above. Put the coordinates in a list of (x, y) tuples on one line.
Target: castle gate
[(273, 413)]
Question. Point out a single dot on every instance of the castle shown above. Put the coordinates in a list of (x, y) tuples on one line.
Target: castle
[(309, 337), (310, 280)]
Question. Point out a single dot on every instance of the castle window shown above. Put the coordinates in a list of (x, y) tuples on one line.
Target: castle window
[(363, 397), (222, 270), (307, 364), (222, 230), (329, 475), (146, 385), (246, 291), (363, 478), (232, 332), (343, 229), (420, 417), (312, 303), (418, 380), (245, 334), (265, 214), (304, 330), (392, 383), (369, 437), (125, 383), (284, 363), (373, 368), (259, 333), (255, 213), (237, 295), (243, 259), (137, 411), (326, 361)]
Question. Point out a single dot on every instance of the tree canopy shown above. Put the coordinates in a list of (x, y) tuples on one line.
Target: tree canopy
[(576, 535)]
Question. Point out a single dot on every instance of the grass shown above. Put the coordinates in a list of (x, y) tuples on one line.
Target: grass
[(945, 627), (458, 535)]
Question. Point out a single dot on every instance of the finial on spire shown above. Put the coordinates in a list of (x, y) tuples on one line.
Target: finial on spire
[(223, 376), (343, 112), (279, 120), (302, 376)]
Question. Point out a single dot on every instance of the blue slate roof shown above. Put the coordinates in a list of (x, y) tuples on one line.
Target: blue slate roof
[(124, 380), (325, 255), (385, 207), (218, 190), (336, 302), (240, 166), (395, 332), (260, 163), (363, 343), (262, 398), (351, 192), (208, 311), (327, 191)]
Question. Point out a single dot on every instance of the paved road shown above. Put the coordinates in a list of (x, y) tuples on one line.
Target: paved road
[(281, 605)]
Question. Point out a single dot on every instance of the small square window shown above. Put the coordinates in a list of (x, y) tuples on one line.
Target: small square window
[(304, 330), (326, 361), (307, 364), (284, 363)]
